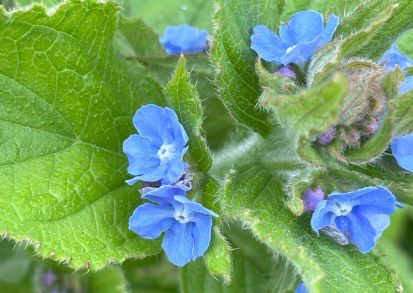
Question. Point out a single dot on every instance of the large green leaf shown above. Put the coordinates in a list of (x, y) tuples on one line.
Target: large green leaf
[(235, 60), (255, 269), (254, 195), (160, 14), (66, 108)]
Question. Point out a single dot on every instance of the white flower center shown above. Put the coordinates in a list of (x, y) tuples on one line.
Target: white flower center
[(342, 209), (182, 215), (289, 49), (166, 152)]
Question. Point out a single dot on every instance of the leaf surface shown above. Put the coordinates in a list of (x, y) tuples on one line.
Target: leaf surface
[(67, 106), (235, 60)]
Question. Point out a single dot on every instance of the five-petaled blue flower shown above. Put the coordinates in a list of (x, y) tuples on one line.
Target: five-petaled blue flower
[(402, 149), (358, 216), (184, 39), (299, 38), (156, 153), (187, 224)]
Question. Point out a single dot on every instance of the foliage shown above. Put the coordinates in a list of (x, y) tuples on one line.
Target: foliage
[(71, 79)]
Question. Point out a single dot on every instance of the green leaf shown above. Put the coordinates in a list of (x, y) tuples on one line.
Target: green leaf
[(67, 106), (353, 43), (399, 22), (401, 110), (273, 84), (405, 42), (218, 257), (160, 14), (130, 35), (255, 269), (311, 111), (235, 60), (184, 99), (254, 195)]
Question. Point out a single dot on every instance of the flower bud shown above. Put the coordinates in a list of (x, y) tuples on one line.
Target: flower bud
[(311, 197)]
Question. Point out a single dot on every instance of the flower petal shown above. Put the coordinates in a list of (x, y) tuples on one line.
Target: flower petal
[(402, 149), (321, 217), (330, 28), (393, 57), (164, 195), (178, 243), (194, 207), (379, 222), (176, 168), (142, 158), (149, 220), (378, 200), (201, 233), (303, 27), (407, 85), (300, 52), (267, 44), (184, 39), (179, 133), (151, 123), (358, 229)]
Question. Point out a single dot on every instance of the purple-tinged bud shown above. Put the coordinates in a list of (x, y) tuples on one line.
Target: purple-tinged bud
[(286, 71), (311, 197), (371, 126), (48, 278), (327, 137)]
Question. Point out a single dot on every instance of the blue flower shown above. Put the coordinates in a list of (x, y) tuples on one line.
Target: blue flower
[(359, 217), (301, 288), (402, 148), (393, 57), (299, 38), (407, 85), (156, 153), (184, 39), (187, 224)]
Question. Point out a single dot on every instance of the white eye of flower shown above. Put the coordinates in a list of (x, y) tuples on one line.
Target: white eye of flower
[(342, 209), (182, 215), (166, 152)]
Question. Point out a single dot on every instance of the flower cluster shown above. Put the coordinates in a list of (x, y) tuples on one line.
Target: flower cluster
[(155, 156), (184, 39)]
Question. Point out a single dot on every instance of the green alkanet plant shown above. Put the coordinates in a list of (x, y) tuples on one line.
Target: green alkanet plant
[(303, 139)]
